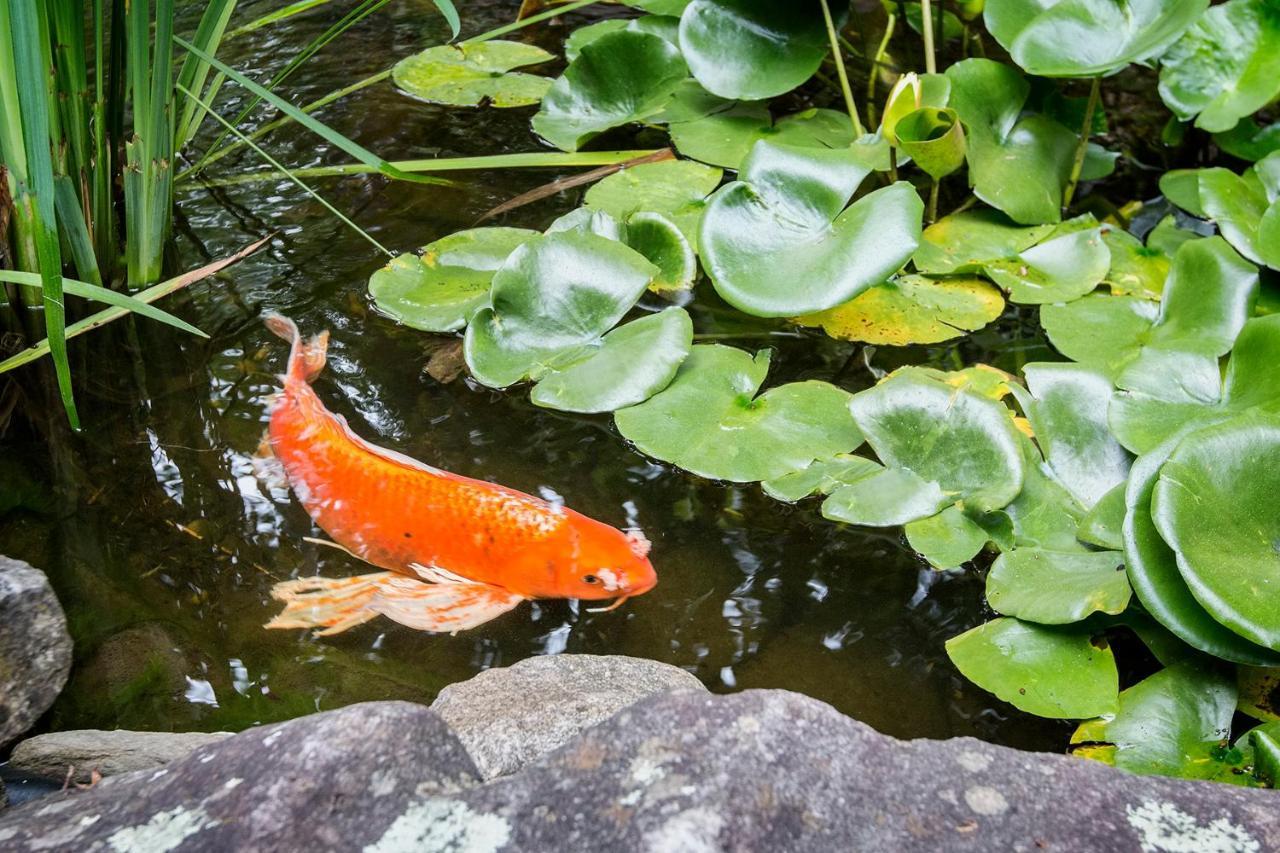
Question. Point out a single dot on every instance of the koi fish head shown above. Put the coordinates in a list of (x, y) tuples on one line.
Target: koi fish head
[(608, 563)]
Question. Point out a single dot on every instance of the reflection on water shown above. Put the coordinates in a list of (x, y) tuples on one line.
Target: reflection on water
[(172, 544)]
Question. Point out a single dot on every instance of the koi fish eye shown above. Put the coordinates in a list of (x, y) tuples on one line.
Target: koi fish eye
[(590, 579)]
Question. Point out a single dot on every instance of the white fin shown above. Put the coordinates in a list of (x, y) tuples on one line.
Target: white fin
[(441, 607)]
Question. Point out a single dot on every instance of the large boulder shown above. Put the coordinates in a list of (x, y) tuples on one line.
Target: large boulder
[(35, 648), (110, 753), (334, 781), (509, 717)]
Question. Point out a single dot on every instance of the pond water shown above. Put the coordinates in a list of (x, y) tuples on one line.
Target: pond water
[(163, 546)]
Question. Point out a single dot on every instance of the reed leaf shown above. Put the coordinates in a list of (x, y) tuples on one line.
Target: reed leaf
[(97, 293), (208, 37)]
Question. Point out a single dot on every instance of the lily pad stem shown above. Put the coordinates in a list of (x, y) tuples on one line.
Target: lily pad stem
[(872, 121), (926, 28), (1082, 147), (840, 71), (932, 213)]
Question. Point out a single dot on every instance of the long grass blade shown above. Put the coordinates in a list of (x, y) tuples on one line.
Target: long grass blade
[(151, 294), (37, 191), (193, 74), (450, 14), (97, 293), (322, 130), (265, 156), (277, 16), (75, 230)]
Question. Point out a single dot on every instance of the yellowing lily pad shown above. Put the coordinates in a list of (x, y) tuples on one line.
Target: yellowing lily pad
[(912, 309), (467, 75)]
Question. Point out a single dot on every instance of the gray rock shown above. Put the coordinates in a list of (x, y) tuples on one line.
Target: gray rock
[(773, 770), (110, 753), (509, 717), (333, 781), (35, 648)]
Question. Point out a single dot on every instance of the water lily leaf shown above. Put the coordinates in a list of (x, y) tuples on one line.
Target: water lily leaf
[(1105, 332), (1086, 38), (1046, 671), (884, 498), (912, 309), (675, 188), (1104, 525), (665, 26), (822, 476), (1044, 514), (982, 379), (621, 77), (630, 365), (1153, 572), (1067, 405), (912, 92), (470, 74), (961, 441), (1259, 691), (658, 7), (1182, 188), (963, 241), (752, 49), (662, 243), (1172, 723), (725, 138), (711, 422), (1226, 66), (1168, 237), (552, 295), (1265, 741), (788, 213), (1017, 163), (1136, 269), (1249, 141), (934, 139), (1245, 207), (439, 290), (1057, 587), (1215, 506), (948, 539)]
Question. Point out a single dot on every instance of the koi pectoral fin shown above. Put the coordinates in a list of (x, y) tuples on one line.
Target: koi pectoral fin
[(334, 604), (441, 607)]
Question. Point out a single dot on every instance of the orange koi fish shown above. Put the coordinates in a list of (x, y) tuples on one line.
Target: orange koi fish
[(457, 552)]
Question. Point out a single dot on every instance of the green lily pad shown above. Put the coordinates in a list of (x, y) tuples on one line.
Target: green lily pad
[(662, 243), (725, 138), (1246, 208), (553, 295), (1087, 38), (963, 241), (664, 26), (1136, 269), (964, 443), (912, 309), (1104, 525), (822, 476), (631, 364), (1215, 506), (439, 290), (1173, 723), (1153, 573), (1249, 141), (1067, 405), (1044, 514), (1057, 587), (470, 74), (1259, 692), (1099, 330), (658, 7), (1226, 66), (752, 49), (710, 421), (934, 139), (912, 92), (787, 213), (884, 498), (1046, 671), (948, 539), (621, 77), (1017, 163), (677, 189)]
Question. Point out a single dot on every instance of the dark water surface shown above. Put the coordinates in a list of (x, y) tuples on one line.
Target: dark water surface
[(165, 546)]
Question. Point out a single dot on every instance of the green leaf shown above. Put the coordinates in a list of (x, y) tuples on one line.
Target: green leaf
[(661, 242), (470, 74), (749, 49), (912, 92), (1249, 141), (964, 241), (934, 139), (1044, 515), (948, 539), (675, 188), (822, 476), (622, 77), (788, 213), (884, 498), (961, 441), (552, 296), (711, 422), (1017, 163), (1087, 38), (1173, 723), (1067, 406), (1136, 269), (1049, 672), (912, 309), (1153, 573), (1259, 692), (440, 289), (1226, 67), (630, 365), (1245, 208), (1057, 587), (1104, 524), (664, 26), (1215, 506), (725, 138)]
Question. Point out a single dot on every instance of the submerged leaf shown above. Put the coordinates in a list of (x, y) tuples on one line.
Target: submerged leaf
[(710, 421), (470, 74), (912, 309), (1049, 672)]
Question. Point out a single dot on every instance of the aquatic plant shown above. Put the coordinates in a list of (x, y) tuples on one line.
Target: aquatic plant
[(1125, 489)]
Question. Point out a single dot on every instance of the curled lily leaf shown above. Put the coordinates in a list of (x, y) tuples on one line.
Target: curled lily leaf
[(934, 139)]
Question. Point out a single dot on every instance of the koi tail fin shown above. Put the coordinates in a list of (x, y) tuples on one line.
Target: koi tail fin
[(336, 604), (306, 358)]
